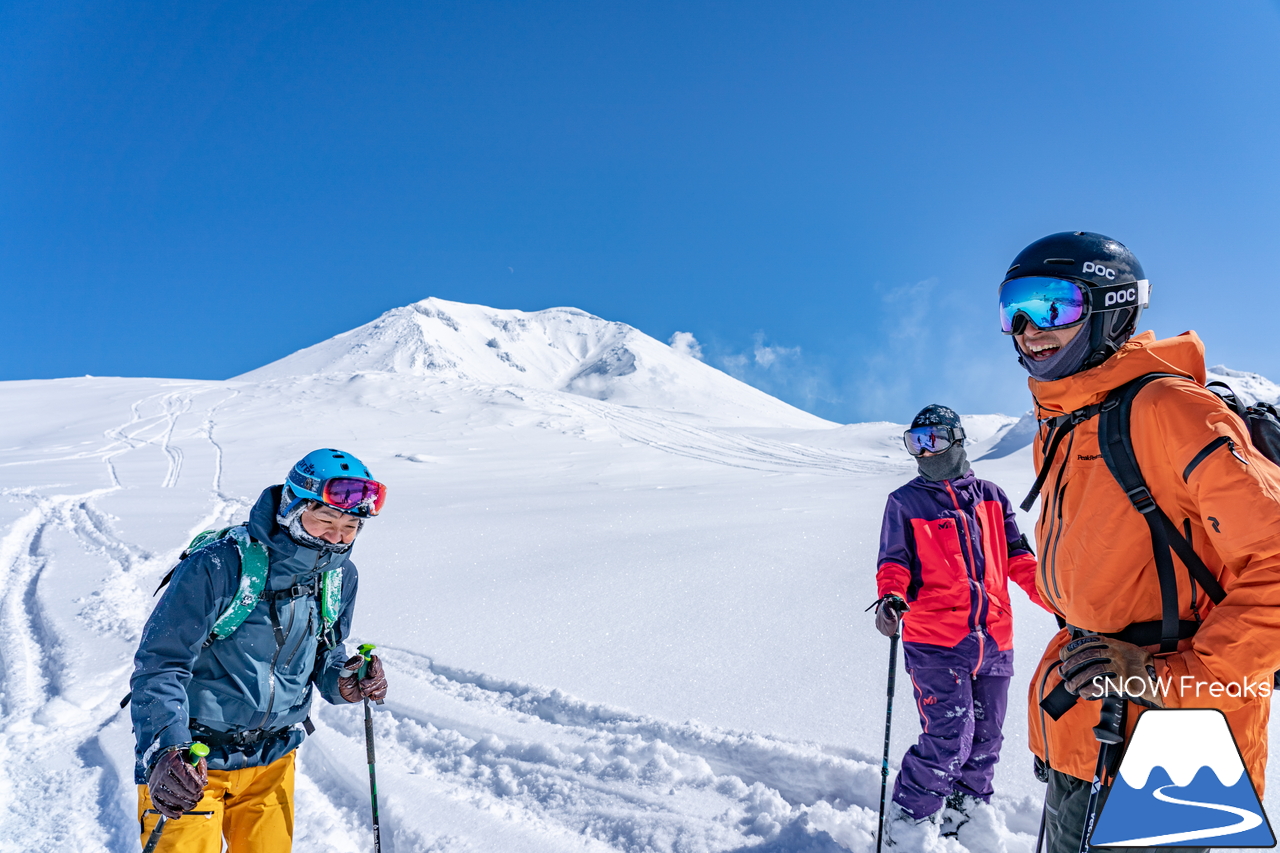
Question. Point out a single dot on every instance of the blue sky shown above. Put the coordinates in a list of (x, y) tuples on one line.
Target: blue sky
[(824, 194)]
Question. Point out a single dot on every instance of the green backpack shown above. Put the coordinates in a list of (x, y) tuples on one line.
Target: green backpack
[(253, 579)]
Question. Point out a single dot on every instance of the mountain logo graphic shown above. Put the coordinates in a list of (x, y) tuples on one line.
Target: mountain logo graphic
[(1182, 783)]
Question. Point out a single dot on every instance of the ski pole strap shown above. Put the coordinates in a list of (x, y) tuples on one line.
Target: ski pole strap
[(1059, 701)]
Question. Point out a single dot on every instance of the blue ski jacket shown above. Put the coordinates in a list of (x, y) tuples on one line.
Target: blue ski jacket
[(257, 680)]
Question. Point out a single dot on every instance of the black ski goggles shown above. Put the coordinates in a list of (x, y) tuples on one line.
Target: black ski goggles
[(931, 439), (1059, 303)]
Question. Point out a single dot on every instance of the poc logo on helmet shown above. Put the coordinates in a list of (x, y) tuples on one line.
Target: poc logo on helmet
[(1099, 269), (1120, 297)]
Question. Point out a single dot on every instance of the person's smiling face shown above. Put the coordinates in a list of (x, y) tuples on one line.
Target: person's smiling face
[(1039, 344), (327, 523)]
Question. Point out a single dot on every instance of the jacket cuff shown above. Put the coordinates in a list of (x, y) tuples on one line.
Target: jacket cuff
[(176, 735), (892, 579)]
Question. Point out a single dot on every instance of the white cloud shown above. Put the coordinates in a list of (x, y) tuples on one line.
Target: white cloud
[(778, 370), (686, 344), (767, 356)]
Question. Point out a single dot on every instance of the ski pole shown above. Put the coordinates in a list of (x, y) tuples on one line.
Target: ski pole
[(366, 651), (194, 754), (1037, 767), (888, 723), (1110, 734)]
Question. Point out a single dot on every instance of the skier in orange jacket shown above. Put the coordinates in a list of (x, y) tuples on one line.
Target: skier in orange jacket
[(1071, 301)]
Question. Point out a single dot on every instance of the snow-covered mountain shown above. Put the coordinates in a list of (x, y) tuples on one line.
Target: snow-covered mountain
[(1249, 387), (559, 349), (620, 594)]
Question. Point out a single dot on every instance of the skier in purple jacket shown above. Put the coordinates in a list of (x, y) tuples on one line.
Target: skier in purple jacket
[(948, 547)]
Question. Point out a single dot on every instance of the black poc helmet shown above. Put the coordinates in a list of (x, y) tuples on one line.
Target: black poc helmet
[(1096, 261)]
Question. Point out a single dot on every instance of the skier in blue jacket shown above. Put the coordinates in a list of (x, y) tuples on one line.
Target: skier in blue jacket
[(246, 692)]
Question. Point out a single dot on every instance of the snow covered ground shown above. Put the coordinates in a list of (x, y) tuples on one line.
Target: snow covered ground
[(620, 594)]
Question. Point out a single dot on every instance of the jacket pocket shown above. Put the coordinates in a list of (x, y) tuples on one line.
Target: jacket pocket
[(1205, 453)]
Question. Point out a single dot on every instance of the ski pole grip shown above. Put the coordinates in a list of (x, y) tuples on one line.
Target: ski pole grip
[(366, 652), (196, 752), (1110, 720)]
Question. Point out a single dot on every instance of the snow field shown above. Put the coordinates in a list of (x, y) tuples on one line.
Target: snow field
[(695, 564)]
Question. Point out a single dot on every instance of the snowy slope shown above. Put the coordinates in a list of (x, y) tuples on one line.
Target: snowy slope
[(608, 626)]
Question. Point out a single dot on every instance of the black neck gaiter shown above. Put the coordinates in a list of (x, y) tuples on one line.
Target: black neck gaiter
[(947, 465), (1066, 361)]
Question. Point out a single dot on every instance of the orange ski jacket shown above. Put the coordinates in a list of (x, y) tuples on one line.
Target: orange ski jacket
[(1097, 569)]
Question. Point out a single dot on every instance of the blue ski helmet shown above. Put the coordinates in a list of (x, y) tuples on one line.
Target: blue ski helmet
[(336, 479)]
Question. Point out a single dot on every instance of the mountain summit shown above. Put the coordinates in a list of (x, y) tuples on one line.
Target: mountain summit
[(559, 349)]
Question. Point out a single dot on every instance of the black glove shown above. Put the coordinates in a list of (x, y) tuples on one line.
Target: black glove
[(889, 612), (175, 784), (1094, 666), (372, 686)]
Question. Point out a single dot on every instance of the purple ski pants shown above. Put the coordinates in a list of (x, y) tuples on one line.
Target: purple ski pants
[(961, 716)]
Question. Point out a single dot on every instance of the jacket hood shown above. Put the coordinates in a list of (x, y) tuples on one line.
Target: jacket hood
[(1182, 355), (286, 555)]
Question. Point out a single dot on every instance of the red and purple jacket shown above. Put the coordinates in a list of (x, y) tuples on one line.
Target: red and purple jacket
[(949, 548)]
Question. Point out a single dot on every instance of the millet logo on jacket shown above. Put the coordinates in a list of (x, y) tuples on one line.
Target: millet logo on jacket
[(946, 525)]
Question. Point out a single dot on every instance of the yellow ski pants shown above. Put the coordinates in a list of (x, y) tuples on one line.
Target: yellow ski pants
[(252, 808)]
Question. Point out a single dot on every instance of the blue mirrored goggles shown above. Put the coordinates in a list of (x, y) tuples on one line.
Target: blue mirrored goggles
[(931, 439), (1058, 303)]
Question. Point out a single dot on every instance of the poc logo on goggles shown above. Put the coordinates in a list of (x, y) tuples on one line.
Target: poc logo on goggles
[(1120, 297), (1099, 269)]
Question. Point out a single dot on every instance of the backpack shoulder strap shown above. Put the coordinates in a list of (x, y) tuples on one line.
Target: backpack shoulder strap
[(253, 578), (206, 537), (330, 603), (1115, 442), (1059, 427), (1228, 396)]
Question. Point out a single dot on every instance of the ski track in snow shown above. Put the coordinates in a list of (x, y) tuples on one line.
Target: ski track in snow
[(736, 451), (42, 710), (716, 446), (518, 761)]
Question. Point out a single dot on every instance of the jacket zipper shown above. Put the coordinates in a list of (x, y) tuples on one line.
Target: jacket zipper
[(298, 646), (293, 610), (279, 647), (1044, 726), (1055, 536), (972, 570)]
